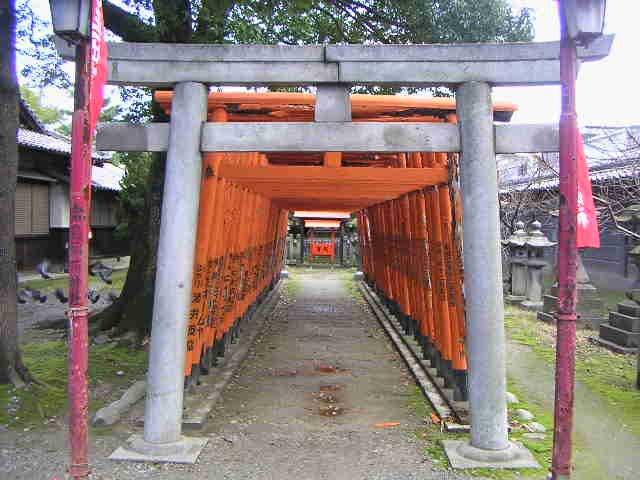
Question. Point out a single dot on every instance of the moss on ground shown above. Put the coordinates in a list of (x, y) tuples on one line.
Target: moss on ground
[(37, 405), (431, 435), (610, 375)]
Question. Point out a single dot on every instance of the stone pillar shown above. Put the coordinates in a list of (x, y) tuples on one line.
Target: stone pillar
[(162, 439), (486, 342)]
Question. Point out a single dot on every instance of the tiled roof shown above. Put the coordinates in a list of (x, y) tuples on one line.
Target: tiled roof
[(49, 142), (107, 177)]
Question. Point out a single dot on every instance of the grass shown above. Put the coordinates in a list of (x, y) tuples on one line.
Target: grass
[(610, 375), (36, 405), (432, 437), (118, 277)]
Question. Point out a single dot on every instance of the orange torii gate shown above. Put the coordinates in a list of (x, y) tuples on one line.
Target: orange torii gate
[(393, 160), (321, 221)]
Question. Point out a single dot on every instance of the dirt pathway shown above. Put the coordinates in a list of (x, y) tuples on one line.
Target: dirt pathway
[(604, 449), (303, 406)]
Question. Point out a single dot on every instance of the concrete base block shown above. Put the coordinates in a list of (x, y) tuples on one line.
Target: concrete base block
[(284, 274), (529, 305), (358, 276), (462, 455), (514, 299), (186, 450)]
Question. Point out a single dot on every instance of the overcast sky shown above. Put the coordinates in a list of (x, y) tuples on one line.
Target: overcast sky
[(608, 91)]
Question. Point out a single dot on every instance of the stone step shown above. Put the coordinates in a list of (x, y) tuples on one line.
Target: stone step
[(546, 317), (615, 347), (624, 322), (619, 336), (629, 308)]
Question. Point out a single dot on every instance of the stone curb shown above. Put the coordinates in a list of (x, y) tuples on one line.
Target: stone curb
[(428, 386)]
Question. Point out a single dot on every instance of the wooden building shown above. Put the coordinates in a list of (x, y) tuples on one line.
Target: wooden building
[(42, 197)]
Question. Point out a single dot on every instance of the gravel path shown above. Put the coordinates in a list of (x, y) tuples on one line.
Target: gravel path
[(304, 405)]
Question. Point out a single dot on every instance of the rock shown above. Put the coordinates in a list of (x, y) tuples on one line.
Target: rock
[(358, 276), (534, 436), (536, 427), (101, 339), (127, 340), (524, 415), (111, 413), (511, 398), (284, 274)]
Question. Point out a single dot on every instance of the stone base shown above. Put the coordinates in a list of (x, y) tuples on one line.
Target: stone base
[(358, 276), (590, 308), (514, 299), (546, 317), (529, 305), (186, 450), (618, 336), (614, 347), (462, 455), (284, 274)]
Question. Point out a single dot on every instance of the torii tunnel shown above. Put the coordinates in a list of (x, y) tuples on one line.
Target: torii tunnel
[(406, 208)]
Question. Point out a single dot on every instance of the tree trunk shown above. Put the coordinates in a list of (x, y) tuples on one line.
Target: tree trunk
[(133, 310), (11, 367)]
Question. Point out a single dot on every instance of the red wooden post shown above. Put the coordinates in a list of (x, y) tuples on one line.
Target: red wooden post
[(567, 260)]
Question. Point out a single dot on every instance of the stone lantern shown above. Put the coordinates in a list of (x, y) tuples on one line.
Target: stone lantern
[(516, 244), (536, 243)]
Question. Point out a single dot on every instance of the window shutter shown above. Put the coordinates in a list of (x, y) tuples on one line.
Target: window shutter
[(40, 208), (23, 209)]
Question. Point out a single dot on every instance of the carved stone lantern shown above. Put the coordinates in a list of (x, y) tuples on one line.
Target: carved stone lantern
[(516, 244), (536, 243)]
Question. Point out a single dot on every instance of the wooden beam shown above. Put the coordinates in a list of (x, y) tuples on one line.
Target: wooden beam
[(365, 176)]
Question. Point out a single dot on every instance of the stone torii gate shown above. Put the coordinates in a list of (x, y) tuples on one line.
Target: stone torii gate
[(471, 69)]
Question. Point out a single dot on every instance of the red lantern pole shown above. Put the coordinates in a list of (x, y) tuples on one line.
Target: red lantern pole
[(80, 193), (567, 261)]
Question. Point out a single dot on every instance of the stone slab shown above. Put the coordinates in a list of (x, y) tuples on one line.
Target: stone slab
[(187, 452), (625, 322), (516, 457), (628, 307), (614, 347), (619, 337)]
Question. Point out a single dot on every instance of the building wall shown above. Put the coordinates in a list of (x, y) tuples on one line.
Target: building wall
[(42, 215)]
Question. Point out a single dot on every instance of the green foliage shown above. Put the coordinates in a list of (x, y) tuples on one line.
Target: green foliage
[(36, 404), (56, 118), (611, 376), (134, 189), (34, 41)]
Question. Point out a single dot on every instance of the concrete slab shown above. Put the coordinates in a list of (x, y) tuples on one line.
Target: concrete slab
[(462, 455), (185, 451)]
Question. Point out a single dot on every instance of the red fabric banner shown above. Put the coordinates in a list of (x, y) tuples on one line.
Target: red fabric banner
[(588, 235), (98, 67)]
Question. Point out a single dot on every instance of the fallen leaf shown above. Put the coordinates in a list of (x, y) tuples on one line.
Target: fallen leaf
[(386, 424), (434, 418)]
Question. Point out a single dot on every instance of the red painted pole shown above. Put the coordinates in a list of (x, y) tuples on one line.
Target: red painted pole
[(567, 261), (80, 193)]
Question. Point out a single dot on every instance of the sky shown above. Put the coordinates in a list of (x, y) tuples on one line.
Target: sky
[(607, 90)]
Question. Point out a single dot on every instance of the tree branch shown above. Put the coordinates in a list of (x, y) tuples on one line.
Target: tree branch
[(127, 25)]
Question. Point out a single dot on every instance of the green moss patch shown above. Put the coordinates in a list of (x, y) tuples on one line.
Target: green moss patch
[(610, 375), (36, 405)]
